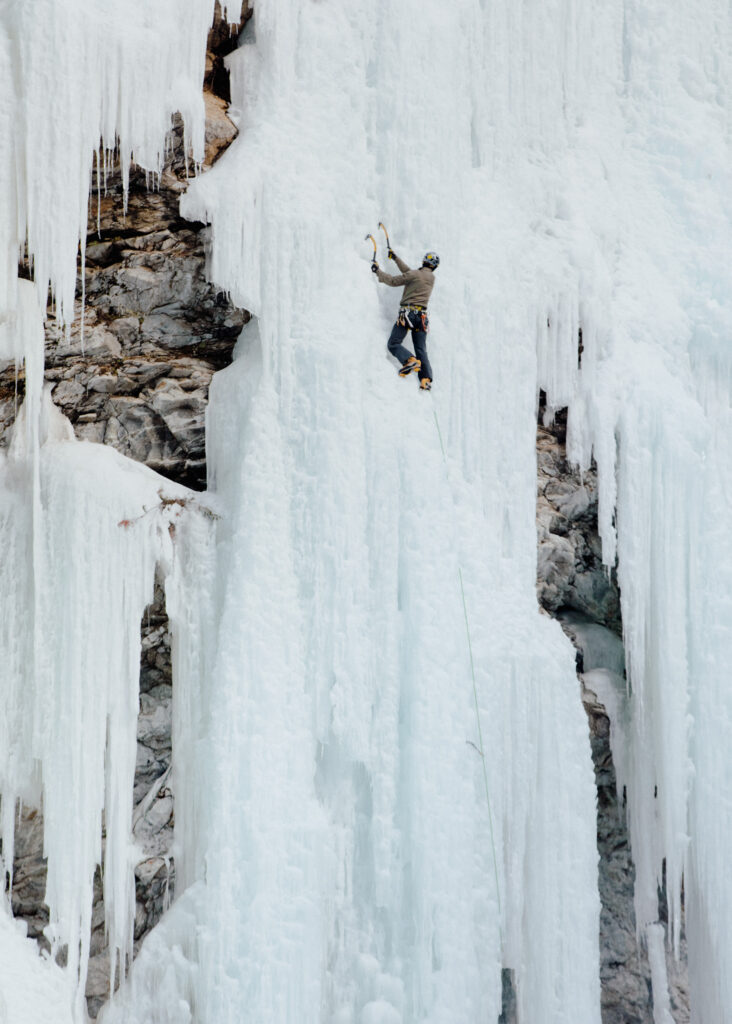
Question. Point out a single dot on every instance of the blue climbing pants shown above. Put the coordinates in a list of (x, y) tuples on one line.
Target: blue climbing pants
[(416, 321)]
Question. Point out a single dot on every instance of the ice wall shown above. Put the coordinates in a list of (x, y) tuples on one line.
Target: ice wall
[(350, 868), (569, 162), (654, 400), (83, 529)]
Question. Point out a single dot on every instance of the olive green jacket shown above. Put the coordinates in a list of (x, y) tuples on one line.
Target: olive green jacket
[(418, 284)]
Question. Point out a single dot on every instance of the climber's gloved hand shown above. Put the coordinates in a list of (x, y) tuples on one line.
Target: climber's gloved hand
[(392, 254), (374, 266)]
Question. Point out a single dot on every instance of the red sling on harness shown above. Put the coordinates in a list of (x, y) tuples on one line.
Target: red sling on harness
[(414, 318)]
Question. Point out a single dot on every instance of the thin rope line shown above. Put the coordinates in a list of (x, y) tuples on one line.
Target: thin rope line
[(439, 434), (481, 751)]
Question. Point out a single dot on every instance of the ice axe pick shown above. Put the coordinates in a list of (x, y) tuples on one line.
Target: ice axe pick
[(383, 228)]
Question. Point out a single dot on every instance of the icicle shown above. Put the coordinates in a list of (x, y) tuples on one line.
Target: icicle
[(117, 76)]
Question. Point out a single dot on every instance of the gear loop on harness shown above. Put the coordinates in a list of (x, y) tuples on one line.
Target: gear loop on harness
[(422, 322)]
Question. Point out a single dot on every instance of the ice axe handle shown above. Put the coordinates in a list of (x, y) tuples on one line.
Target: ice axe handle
[(383, 228)]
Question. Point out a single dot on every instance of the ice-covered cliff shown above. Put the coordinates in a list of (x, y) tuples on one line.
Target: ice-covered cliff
[(381, 766)]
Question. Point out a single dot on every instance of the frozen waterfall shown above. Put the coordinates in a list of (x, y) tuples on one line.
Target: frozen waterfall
[(383, 785)]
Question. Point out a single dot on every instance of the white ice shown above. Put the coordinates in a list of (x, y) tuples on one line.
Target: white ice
[(570, 164), (80, 77), (346, 815), (31, 988), (572, 168), (83, 530)]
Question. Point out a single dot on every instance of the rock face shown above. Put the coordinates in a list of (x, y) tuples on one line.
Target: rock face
[(136, 377), (573, 586), (136, 373), (155, 333), (570, 575), (134, 370)]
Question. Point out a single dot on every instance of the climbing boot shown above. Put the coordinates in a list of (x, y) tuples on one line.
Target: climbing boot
[(411, 364), (425, 384)]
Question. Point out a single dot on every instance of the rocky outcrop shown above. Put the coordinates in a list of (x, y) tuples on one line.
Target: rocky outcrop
[(574, 587), (221, 41), (570, 574), (154, 334), (134, 369)]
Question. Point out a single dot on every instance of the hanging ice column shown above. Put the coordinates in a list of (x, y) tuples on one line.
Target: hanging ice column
[(83, 529), (79, 79), (85, 79), (654, 401)]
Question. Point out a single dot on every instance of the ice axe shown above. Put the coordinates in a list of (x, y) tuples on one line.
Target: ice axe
[(388, 243), (373, 240)]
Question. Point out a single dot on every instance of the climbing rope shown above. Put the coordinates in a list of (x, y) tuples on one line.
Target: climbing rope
[(442, 447), (481, 749)]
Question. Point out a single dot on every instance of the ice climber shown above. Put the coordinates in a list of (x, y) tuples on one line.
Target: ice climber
[(418, 285)]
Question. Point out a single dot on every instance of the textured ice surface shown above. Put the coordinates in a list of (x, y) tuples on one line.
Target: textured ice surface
[(346, 813), (569, 162), (31, 989), (571, 166)]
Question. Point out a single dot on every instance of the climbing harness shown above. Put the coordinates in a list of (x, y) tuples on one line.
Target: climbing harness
[(414, 318), (481, 749)]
